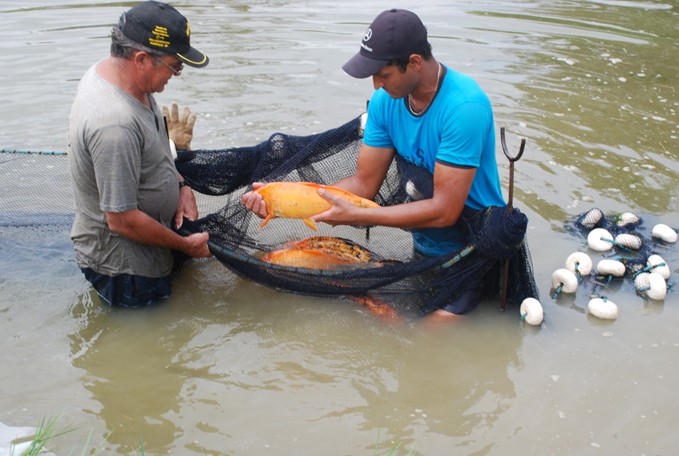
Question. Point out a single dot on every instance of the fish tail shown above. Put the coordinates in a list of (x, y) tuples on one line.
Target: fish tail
[(311, 224)]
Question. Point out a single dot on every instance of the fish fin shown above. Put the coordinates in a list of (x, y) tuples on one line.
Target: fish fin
[(265, 221), (311, 224)]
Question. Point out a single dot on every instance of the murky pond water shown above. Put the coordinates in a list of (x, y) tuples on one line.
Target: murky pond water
[(227, 367)]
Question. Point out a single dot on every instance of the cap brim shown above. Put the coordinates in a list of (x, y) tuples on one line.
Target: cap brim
[(362, 67), (193, 58)]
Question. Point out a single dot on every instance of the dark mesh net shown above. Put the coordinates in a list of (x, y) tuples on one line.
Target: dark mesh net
[(406, 281), (37, 192)]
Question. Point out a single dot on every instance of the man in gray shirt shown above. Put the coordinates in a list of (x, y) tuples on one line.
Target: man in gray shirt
[(128, 192)]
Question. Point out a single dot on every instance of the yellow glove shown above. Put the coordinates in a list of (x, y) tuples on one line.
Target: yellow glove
[(179, 128)]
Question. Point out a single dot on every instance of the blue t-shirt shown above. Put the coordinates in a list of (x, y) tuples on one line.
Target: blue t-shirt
[(457, 129)]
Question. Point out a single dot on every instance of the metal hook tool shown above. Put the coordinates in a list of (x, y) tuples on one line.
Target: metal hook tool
[(512, 159)]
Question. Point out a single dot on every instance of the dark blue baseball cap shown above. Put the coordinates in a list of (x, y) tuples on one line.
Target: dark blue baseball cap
[(394, 34)]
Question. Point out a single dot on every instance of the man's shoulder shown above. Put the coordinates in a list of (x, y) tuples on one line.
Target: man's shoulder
[(462, 87)]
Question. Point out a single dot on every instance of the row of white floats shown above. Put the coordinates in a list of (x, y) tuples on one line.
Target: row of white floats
[(651, 281)]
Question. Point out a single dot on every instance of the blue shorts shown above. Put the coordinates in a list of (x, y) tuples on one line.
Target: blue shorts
[(127, 290)]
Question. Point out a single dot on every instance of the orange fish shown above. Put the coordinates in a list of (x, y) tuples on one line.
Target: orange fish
[(380, 309), (305, 258), (301, 200), (340, 248), (322, 252)]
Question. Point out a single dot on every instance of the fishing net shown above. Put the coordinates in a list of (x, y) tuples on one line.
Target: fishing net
[(404, 280), (37, 192)]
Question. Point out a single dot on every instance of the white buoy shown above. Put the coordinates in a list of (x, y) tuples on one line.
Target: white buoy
[(629, 241), (610, 267), (642, 282), (655, 263), (564, 281), (603, 308), (652, 285), (657, 287), (592, 218), (627, 218), (531, 311), (600, 240), (579, 263), (664, 233)]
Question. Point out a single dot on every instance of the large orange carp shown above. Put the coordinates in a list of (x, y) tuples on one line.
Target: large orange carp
[(301, 200), (322, 252), (328, 252)]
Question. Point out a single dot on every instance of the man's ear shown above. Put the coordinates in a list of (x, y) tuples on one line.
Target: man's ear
[(415, 61), (140, 57)]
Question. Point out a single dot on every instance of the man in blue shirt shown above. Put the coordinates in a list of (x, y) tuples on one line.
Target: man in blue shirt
[(433, 117)]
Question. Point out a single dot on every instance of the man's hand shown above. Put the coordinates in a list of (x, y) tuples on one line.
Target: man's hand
[(179, 128), (342, 212), (197, 245), (187, 207), (254, 202)]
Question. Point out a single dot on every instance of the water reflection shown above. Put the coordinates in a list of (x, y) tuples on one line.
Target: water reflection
[(128, 370), (219, 380), (456, 394)]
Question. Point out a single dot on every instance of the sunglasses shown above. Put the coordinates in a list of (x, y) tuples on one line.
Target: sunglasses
[(175, 69)]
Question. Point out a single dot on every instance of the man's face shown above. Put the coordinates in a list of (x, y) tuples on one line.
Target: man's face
[(397, 83)]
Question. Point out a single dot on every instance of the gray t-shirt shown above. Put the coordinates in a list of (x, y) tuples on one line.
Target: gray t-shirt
[(120, 160)]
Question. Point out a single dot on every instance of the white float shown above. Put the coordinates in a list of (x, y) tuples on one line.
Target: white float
[(652, 285), (600, 240), (564, 281), (531, 311), (610, 267), (603, 308), (641, 282), (629, 241), (627, 218), (664, 233), (655, 263), (579, 263), (592, 217)]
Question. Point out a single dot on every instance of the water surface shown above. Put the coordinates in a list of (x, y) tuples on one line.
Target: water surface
[(227, 367)]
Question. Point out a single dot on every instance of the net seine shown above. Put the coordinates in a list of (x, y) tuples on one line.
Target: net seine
[(37, 193), (409, 283)]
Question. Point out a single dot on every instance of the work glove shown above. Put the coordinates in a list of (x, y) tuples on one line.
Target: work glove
[(179, 128)]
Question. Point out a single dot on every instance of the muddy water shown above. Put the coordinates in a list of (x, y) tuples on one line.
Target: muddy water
[(227, 367)]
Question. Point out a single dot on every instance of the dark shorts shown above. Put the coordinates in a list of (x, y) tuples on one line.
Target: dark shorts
[(460, 302), (465, 302), (127, 290)]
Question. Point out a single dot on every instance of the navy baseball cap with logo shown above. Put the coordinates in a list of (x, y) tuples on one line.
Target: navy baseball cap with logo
[(394, 34), (159, 26)]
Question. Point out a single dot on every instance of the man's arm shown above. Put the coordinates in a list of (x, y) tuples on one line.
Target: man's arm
[(140, 227), (180, 130), (451, 187), (371, 169)]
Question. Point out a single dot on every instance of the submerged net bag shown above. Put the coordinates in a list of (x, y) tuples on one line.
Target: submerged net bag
[(402, 280)]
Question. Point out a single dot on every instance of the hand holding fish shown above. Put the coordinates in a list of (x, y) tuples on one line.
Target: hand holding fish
[(300, 200), (342, 212), (254, 201)]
